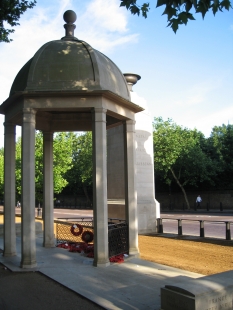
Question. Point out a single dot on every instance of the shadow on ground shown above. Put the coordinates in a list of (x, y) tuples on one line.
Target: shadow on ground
[(33, 290)]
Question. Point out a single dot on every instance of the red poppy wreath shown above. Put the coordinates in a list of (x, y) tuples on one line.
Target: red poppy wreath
[(74, 232), (87, 236)]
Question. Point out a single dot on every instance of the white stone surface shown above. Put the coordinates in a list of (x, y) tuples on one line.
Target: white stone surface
[(9, 188), (100, 188), (214, 292), (48, 190), (28, 189), (148, 206)]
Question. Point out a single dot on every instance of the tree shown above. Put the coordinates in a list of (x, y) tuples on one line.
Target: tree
[(221, 141), (10, 12), (178, 155), (82, 168), (62, 161), (179, 11)]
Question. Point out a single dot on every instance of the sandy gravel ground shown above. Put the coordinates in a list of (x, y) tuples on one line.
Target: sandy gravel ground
[(205, 256)]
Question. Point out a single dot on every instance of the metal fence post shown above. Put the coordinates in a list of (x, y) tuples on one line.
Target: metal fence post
[(221, 208), (157, 225), (160, 225), (202, 229), (228, 231), (38, 210), (180, 227)]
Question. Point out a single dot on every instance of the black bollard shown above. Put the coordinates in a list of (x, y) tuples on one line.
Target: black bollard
[(207, 207), (180, 227), (202, 229), (221, 208), (228, 230), (160, 225), (38, 211)]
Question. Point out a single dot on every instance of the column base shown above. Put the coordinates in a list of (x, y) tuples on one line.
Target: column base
[(49, 244), (134, 253), (28, 265), (101, 265), (96, 264)]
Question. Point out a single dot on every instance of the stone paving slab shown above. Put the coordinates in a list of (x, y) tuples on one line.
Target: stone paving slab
[(134, 284)]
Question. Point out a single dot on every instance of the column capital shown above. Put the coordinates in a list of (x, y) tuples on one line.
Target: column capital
[(9, 128), (99, 110), (130, 125), (29, 110), (29, 115), (48, 135), (99, 114)]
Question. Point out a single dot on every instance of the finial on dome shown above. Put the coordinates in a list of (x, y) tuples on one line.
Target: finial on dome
[(131, 79), (69, 17)]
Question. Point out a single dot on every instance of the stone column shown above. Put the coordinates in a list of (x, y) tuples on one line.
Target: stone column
[(28, 241), (9, 191), (48, 217), (130, 186), (100, 207)]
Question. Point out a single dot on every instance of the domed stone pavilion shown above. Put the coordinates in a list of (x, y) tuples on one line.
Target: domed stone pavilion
[(66, 86)]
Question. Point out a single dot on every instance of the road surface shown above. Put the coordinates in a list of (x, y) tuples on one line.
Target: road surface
[(214, 223)]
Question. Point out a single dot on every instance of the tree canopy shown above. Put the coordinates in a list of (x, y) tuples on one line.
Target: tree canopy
[(178, 12), (10, 13), (221, 142), (80, 176), (178, 155), (62, 161), (183, 158)]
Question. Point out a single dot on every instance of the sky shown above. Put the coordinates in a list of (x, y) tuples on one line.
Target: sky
[(187, 76)]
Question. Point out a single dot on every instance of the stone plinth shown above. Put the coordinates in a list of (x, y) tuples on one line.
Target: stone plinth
[(148, 208), (213, 292)]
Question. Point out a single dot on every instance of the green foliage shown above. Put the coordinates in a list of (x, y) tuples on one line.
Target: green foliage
[(178, 11), (221, 141), (135, 8), (10, 12), (62, 161), (81, 173), (179, 155)]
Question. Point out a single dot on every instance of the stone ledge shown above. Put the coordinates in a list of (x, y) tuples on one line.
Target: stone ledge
[(213, 292)]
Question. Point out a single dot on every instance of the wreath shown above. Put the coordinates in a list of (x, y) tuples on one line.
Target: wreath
[(76, 233), (87, 236)]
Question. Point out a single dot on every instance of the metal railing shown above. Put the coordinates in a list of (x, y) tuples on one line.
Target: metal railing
[(64, 226), (118, 237), (201, 223)]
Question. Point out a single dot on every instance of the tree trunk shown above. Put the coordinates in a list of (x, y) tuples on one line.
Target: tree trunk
[(86, 194), (182, 188)]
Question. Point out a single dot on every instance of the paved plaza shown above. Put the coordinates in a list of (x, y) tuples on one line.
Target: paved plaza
[(134, 284)]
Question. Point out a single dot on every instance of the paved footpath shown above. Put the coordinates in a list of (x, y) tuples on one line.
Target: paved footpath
[(134, 284)]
